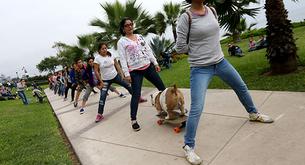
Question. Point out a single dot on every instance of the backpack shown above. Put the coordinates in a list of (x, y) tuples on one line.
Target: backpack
[(189, 14)]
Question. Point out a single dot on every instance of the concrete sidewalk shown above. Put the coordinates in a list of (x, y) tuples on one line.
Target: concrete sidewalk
[(224, 136)]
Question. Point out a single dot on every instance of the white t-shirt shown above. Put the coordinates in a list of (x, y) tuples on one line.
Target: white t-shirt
[(107, 68)]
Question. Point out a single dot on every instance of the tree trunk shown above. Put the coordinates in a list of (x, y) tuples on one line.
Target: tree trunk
[(281, 51), (236, 37), (174, 32)]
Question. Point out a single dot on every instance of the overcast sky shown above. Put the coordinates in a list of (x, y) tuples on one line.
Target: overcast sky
[(29, 28)]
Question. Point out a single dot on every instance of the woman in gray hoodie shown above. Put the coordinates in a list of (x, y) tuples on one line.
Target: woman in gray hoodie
[(198, 35)]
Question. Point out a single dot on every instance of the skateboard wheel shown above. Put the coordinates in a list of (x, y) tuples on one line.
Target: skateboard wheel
[(160, 122), (177, 129)]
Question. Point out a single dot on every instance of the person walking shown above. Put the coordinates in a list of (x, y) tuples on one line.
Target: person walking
[(201, 42), (21, 86), (90, 85), (138, 61), (80, 78), (106, 70)]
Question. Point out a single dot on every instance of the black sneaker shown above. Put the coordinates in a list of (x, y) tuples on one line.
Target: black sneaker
[(82, 111), (135, 126), (75, 104)]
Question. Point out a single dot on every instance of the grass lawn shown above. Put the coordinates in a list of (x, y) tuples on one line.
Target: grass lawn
[(251, 67), (30, 135)]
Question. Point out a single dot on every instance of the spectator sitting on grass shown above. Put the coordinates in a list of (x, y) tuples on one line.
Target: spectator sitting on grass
[(235, 50), (262, 43), (252, 44)]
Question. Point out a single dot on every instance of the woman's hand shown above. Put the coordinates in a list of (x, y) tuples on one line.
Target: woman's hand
[(128, 79), (157, 67), (100, 85)]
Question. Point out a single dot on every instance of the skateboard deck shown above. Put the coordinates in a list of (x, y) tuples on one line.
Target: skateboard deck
[(178, 120)]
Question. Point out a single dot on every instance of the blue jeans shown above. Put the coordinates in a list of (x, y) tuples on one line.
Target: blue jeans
[(136, 84), (107, 83), (22, 95), (200, 79)]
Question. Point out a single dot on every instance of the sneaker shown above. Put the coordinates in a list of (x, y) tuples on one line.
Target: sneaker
[(191, 156), (122, 95), (135, 126), (142, 100), (75, 104), (99, 118), (260, 118), (82, 111)]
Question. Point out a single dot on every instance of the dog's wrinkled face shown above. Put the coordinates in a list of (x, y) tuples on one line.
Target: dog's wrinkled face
[(153, 98)]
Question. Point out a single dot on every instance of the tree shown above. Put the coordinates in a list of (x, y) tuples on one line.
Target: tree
[(281, 51), (241, 28), (48, 64), (115, 12), (87, 43), (169, 17), (67, 54)]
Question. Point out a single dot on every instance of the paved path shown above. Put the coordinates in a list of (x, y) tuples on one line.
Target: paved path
[(225, 136)]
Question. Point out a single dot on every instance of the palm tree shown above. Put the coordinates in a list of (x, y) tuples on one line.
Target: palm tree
[(67, 54), (169, 17), (87, 43), (115, 12), (231, 12), (281, 51), (241, 28)]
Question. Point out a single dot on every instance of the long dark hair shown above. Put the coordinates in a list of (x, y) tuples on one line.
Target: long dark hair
[(89, 66), (100, 46), (122, 23)]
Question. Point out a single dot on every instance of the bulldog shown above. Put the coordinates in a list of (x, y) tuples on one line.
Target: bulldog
[(167, 101)]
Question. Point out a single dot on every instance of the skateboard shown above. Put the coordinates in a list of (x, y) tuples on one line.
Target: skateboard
[(179, 121)]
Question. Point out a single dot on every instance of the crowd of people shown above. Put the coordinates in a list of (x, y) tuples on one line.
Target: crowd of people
[(6, 91), (197, 38)]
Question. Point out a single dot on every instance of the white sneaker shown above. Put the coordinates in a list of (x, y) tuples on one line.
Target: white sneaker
[(191, 156), (260, 118)]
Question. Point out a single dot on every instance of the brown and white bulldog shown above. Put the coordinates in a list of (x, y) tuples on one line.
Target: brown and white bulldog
[(168, 100)]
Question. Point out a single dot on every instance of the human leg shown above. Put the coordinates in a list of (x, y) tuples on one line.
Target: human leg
[(151, 75), (67, 89), (199, 81), (121, 82), (103, 96), (228, 74), (23, 97), (136, 85), (73, 88), (85, 98)]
